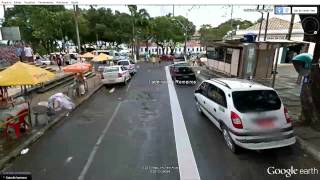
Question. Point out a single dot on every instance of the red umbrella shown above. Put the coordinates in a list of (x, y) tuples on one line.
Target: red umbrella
[(77, 68)]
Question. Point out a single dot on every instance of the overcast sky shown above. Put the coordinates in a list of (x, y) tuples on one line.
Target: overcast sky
[(203, 14)]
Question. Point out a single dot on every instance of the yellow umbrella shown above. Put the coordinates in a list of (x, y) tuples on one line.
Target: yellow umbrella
[(24, 74), (102, 57), (87, 55)]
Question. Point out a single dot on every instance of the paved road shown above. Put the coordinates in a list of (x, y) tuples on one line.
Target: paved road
[(147, 131)]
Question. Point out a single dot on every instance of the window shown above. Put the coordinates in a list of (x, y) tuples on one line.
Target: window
[(111, 69), (123, 69), (123, 63), (256, 101), (217, 95), (216, 53), (229, 56), (203, 88), (197, 49), (141, 49), (184, 70)]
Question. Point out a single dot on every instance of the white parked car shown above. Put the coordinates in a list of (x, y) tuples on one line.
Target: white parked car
[(43, 62), (249, 115), (129, 65), (115, 74)]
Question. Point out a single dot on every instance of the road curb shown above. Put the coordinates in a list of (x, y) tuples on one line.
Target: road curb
[(16, 152), (311, 149)]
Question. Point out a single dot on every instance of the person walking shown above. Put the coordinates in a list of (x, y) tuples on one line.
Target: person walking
[(19, 50), (159, 61), (28, 52), (153, 60), (145, 56), (59, 61)]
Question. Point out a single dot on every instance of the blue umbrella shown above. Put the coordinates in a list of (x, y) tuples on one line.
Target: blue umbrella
[(304, 57)]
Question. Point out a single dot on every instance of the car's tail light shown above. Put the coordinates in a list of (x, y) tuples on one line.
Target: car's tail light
[(119, 75), (236, 120), (286, 114)]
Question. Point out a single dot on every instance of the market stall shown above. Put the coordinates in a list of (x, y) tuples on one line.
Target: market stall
[(102, 60), (79, 86), (15, 113), (87, 56)]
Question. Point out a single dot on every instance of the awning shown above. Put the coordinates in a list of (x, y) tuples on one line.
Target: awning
[(24, 74)]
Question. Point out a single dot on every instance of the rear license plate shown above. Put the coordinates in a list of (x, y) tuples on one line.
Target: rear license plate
[(265, 123)]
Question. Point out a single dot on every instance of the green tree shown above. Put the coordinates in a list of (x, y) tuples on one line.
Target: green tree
[(168, 31), (42, 26), (209, 33)]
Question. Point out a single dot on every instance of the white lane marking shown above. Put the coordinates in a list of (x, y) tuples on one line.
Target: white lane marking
[(187, 164), (96, 146), (111, 90)]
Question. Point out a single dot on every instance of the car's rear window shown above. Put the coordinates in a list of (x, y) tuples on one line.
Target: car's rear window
[(111, 69), (179, 59), (181, 64), (256, 101), (123, 63), (184, 70)]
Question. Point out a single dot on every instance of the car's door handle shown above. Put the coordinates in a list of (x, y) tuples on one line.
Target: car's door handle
[(214, 109), (204, 102)]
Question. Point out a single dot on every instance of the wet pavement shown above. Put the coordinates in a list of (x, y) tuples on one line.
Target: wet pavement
[(127, 132)]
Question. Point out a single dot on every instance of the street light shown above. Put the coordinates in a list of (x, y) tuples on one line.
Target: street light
[(185, 34)]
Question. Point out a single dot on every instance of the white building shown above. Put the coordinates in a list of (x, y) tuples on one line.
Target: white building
[(193, 46)]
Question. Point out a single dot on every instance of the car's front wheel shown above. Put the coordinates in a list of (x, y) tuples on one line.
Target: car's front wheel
[(198, 107), (227, 138)]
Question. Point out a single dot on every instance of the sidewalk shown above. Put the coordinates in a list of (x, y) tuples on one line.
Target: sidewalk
[(289, 91), (10, 148)]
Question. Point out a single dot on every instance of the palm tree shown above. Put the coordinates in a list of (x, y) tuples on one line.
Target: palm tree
[(140, 24)]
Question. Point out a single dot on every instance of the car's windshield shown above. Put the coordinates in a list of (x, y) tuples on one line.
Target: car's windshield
[(111, 69), (179, 59), (123, 63), (256, 100), (184, 70)]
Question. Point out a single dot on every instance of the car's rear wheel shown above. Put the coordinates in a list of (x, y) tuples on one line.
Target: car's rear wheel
[(125, 82), (227, 138)]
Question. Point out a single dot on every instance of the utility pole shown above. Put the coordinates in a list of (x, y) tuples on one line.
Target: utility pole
[(260, 22), (266, 27), (76, 13), (173, 10), (290, 27), (133, 35), (231, 21)]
